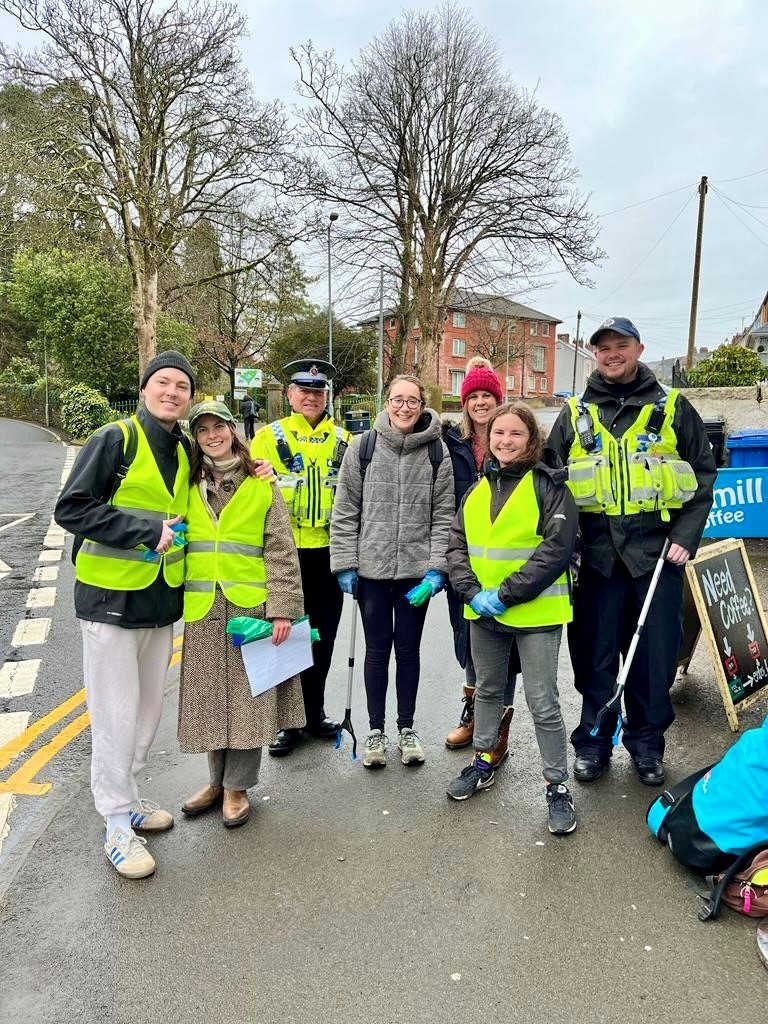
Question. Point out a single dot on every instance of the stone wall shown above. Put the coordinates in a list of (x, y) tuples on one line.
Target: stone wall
[(739, 407)]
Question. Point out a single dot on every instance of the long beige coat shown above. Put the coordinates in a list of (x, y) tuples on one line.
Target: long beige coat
[(216, 709)]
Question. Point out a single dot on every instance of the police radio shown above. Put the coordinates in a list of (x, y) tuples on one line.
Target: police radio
[(586, 430)]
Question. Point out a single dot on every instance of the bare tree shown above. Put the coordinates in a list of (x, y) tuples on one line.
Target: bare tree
[(446, 170), (154, 122)]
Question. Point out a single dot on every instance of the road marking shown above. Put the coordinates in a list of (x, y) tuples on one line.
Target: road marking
[(45, 574), (50, 555), (21, 519), (69, 460), (41, 597), (11, 750), (18, 677), (12, 725), (30, 632), (4, 569), (178, 640), (21, 781), (7, 804)]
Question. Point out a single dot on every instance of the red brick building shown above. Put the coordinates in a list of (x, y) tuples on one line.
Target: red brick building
[(487, 325)]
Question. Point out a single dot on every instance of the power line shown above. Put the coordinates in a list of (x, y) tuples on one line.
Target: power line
[(733, 213), (642, 202), (651, 250), (752, 174)]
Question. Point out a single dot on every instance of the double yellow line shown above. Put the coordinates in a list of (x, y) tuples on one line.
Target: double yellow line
[(20, 782)]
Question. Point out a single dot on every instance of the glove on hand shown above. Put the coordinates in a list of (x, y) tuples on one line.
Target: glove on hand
[(432, 583), (179, 540), (487, 604), (348, 580)]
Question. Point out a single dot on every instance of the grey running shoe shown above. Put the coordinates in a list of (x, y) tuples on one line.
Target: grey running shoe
[(410, 747), (562, 817), (375, 755), (469, 780)]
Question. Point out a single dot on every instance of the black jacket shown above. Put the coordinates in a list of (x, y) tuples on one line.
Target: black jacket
[(558, 524), (638, 539), (82, 509), (465, 473)]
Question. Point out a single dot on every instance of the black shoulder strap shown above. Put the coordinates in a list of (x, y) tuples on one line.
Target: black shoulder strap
[(130, 446), (435, 451), (367, 445)]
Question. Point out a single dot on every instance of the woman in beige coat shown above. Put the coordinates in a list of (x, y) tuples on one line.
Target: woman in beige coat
[(217, 713)]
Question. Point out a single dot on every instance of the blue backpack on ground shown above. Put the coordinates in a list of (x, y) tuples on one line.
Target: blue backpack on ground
[(716, 815)]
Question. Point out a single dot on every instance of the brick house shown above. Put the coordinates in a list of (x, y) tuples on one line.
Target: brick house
[(487, 325)]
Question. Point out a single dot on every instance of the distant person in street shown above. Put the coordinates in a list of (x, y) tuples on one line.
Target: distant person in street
[(394, 506), (467, 443), (642, 471), (241, 560), (306, 450), (127, 490), (508, 557), (248, 411)]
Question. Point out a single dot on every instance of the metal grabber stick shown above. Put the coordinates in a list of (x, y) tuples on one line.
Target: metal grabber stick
[(347, 723), (621, 682)]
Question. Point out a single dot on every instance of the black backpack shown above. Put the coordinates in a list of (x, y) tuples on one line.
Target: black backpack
[(368, 444)]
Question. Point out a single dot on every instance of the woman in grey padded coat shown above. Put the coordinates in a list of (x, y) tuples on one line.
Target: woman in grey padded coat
[(389, 532)]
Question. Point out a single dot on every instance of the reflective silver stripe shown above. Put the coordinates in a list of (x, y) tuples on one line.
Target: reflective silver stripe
[(581, 472), (201, 545), (500, 554), (233, 548), (243, 583), (556, 590), (288, 481), (206, 586), (200, 586), (91, 547), (174, 555), (143, 513)]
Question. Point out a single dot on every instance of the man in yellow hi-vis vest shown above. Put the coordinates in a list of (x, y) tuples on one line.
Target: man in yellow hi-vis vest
[(641, 471), (306, 449), (127, 491)]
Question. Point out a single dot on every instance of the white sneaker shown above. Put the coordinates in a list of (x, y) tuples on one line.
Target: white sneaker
[(128, 854), (375, 755), (410, 747), (148, 817)]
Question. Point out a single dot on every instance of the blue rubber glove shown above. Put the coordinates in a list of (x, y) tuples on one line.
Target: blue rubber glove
[(487, 604), (348, 580), (179, 540), (435, 579), (432, 584)]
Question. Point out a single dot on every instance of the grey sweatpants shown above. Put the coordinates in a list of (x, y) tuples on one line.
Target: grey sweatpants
[(538, 657), (234, 769)]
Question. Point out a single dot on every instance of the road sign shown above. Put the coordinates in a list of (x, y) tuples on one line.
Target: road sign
[(247, 377)]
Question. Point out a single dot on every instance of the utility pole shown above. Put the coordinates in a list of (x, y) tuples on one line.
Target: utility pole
[(380, 362), (576, 351), (696, 268), (331, 218)]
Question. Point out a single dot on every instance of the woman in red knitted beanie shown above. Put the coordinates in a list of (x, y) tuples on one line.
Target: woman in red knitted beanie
[(467, 443)]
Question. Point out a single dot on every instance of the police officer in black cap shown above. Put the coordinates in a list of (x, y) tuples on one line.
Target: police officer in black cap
[(642, 472), (306, 449)]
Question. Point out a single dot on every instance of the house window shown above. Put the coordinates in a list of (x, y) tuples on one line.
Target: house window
[(534, 327), (538, 357), (392, 322), (458, 347), (531, 382), (459, 320), (510, 383), (494, 324), (545, 330), (542, 383), (457, 378)]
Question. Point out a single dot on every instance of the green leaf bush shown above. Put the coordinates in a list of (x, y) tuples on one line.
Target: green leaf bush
[(84, 410)]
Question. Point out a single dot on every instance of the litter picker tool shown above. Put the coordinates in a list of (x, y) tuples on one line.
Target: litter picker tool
[(615, 702), (347, 723)]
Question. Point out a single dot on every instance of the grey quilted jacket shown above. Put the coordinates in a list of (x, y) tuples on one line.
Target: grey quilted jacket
[(396, 525)]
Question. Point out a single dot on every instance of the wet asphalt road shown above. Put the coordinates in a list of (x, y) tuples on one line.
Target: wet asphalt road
[(354, 896)]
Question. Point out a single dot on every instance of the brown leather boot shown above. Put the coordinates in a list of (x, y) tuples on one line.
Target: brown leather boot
[(461, 736), (203, 800), (236, 808), (501, 753)]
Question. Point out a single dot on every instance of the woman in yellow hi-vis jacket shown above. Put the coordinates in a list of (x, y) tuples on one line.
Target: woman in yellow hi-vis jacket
[(508, 555), (240, 560)]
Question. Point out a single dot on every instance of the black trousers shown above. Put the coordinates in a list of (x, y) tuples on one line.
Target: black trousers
[(322, 603), (249, 424), (388, 619), (605, 614)]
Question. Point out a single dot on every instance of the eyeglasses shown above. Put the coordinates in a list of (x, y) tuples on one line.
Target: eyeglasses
[(410, 403)]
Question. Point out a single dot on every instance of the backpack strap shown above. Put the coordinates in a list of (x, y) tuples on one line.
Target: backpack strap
[(435, 452), (130, 447), (711, 901), (367, 445)]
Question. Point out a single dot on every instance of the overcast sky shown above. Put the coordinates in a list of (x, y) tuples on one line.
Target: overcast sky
[(652, 95)]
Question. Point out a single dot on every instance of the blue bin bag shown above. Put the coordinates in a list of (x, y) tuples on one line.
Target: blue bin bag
[(748, 448)]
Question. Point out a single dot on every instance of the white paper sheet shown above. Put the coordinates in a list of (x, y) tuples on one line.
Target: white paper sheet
[(267, 664)]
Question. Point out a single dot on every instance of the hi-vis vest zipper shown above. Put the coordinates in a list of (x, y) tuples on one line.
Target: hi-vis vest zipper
[(143, 494), (499, 548), (641, 471), (307, 462), (229, 553)]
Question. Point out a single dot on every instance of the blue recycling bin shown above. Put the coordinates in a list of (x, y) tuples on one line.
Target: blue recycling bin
[(748, 448)]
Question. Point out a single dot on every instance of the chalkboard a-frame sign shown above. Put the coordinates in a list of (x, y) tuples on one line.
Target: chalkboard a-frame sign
[(731, 615)]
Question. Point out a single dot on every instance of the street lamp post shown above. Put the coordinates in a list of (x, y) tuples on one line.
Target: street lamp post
[(331, 218)]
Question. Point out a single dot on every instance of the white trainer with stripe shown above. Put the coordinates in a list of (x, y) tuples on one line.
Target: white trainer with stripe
[(128, 855), (148, 817)]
